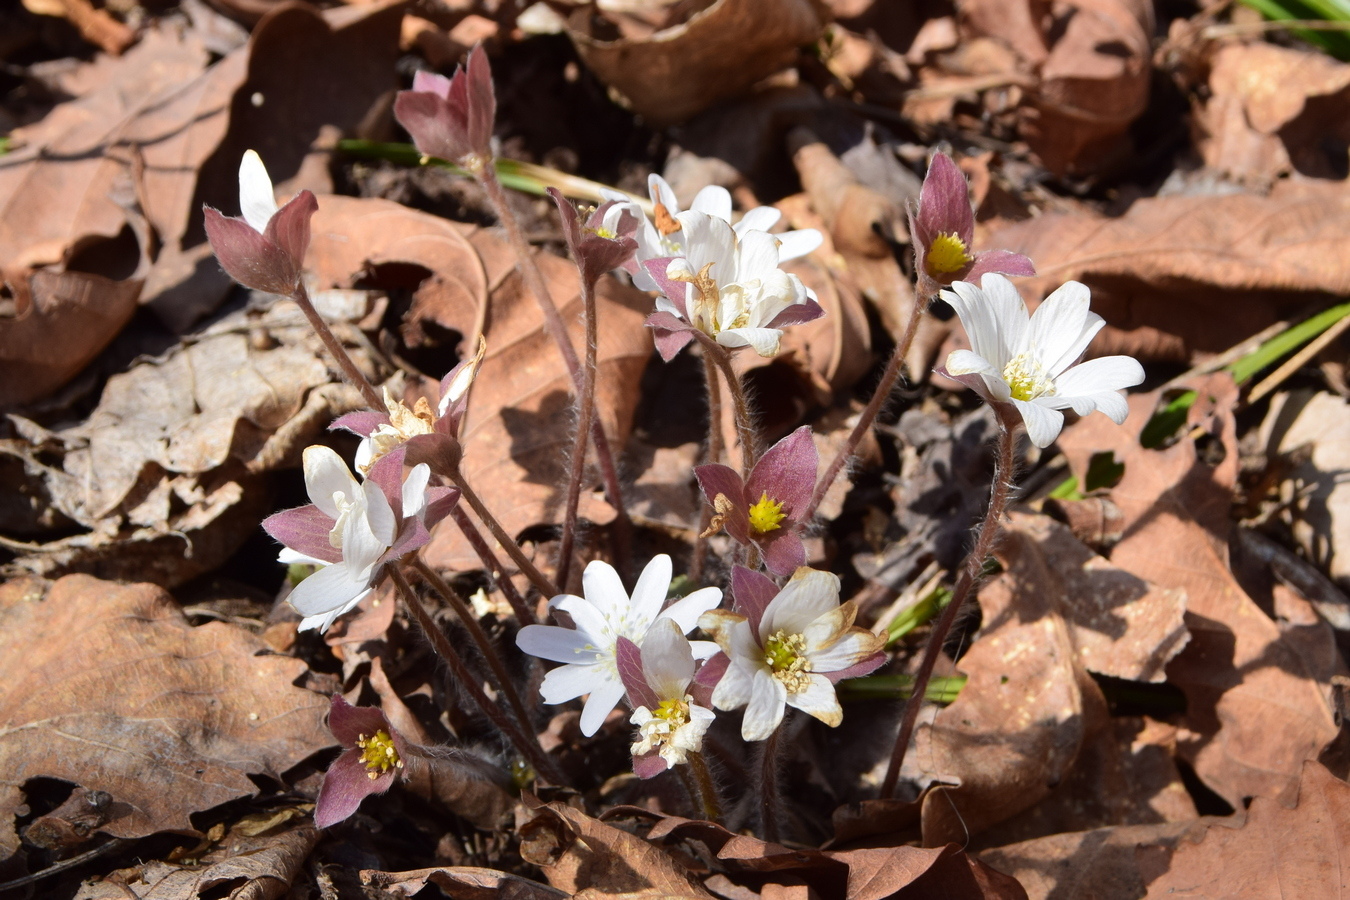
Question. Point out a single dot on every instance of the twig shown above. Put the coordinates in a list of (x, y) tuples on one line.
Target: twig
[(585, 416), (64, 865), (542, 584)]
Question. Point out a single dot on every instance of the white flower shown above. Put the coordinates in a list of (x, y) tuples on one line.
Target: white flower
[(1029, 361), (257, 201), (675, 727), (362, 530), (665, 237), (733, 290), (603, 616), (804, 637)]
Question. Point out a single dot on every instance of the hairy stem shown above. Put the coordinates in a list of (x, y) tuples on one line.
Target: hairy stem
[(873, 408), (745, 419), (984, 544), (705, 789), (770, 801), (528, 749), (493, 565), (541, 584), (336, 350), (500, 678), (714, 456), (553, 323), (585, 415)]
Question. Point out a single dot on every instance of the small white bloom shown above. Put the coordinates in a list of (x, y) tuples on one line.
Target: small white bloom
[(604, 615), (664, 237), (257, 201), (675, 728), (363, 530), (804, 636), (1029, 361)]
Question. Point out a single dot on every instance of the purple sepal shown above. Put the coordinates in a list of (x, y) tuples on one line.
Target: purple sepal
[(751, 593), (1004, 262), (451, 118), (787, 473), (669, 334), (797, 314), (593, 254), (648, 765), (785, 554), (868, 665), (440, 500), (676, 291), (347, 781), (361, 423), (269, 261), (628, 658), (715, 479), (306, 530), (387, 474), (412, 534), (706, 679), (944, 203)]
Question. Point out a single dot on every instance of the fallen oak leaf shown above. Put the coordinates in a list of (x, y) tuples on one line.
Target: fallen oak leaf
[(465, 882)]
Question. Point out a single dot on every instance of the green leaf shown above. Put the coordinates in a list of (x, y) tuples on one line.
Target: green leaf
[(941, 689)]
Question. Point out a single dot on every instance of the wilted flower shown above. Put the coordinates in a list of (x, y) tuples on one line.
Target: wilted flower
[(352, 529), (730, 288), (659, 678), (602, 617), (664, 237), (767, 509), (263, 249), (944, 228), (429, 435), (604, 242), (788, 647), (1029, 362), (372, 757), (452, 118)]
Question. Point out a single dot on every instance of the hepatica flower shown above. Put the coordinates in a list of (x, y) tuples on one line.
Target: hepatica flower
[(728, 287), (372, 758), (1032, 362), (452, 118), (264, 248), (659, 678), (944, 228), (352, 529), (767, 509), (788, 648), (603, 616)]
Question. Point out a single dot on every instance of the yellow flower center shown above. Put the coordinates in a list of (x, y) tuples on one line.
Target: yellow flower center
[(601, 231), (673, 712), (1026, 378), (766, 515), (948, 254), (404, 423), (378, 754), (785, 655)]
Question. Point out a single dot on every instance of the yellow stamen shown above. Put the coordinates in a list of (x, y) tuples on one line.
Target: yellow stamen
[(766, 515), (1026, 379), (378, 754), (948, 254), (785, 655)]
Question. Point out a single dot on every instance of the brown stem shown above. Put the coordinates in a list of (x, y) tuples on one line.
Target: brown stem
[(585, 414), (714, 456), (873, 408), (745, 419), (770, 801), (553, 323), (336, 350), (530, 750), (705, 788), (984, 544), (494, 566), (542, 584), (499, 677)]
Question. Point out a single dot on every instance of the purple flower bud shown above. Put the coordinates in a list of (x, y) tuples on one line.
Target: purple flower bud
[(596, 246), (264, 248), (452, 118)]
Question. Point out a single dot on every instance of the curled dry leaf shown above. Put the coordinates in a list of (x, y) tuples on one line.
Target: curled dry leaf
[(111, 689), (1297, 852), (520, 417), (1257, 706), (1186, 274), (717, 53), (466, 882)]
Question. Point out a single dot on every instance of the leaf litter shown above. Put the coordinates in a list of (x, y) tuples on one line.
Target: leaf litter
[(1147, 695)]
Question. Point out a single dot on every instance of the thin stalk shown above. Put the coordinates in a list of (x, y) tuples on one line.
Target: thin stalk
[(542, 584), (714, 456), (501, 680), (745, 419), (335, 349), (494, 566), (543, 766), (585, 415), (770, 801), (872, 410), (553, 323), (705, 788), (1001, 491)]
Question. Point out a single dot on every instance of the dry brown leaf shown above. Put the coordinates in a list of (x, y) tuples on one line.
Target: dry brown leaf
[(520, 417), (111, 689), (465, 882), (717, 53), (95, 25), (1272, 110), (1278, 852), (1193, 273), (1257, 707)]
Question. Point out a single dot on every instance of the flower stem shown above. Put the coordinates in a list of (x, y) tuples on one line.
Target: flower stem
[(553, 323), (501, 680), (714, 456), (542, 584), (530, 750), (705, 789), (336, 350), (873, 408), (585, 414), (745, 419), (1001, 491), (770, 801), (494, 566)]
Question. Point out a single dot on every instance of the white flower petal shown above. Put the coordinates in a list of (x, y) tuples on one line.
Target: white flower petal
[(968, 362), (765, 341), (257, 201), (764, 712), (761, 218), (734, 690), (977, 317), (598, 628), (667, 660), (564, 645), (1043, 423), (715, 201), (325, 475), (649, 594), (796, 244), (807, 596), (1108, 373), (849, 650), (659, 190), (604, 589), (415, 490), (1009, 314), (331, 588), (568, 683), (819, 700), (686, 610), (1057, 326), (378, 514), (288, 557), (605, 695), (758, 256), (708, 239)]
